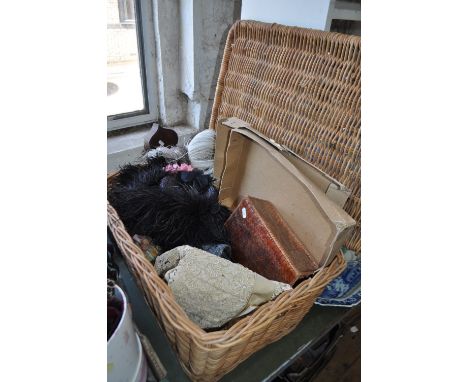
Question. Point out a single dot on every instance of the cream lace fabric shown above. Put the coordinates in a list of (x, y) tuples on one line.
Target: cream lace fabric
[(212, 290)]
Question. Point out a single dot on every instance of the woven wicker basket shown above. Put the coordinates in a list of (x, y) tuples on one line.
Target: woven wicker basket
[(301, 88)]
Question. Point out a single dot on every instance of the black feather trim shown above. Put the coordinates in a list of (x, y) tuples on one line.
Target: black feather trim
[(172, 208)]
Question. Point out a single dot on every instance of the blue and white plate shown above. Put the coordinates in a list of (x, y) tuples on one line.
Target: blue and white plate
[(345, 290)]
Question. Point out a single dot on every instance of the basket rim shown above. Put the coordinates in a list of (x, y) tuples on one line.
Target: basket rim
[(169, 307)]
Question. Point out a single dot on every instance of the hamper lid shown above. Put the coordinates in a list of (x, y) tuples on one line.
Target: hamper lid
[(301, 88)]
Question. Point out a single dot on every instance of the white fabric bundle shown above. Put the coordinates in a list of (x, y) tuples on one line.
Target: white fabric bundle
[(201, 150), (170, 153), (212, 290)]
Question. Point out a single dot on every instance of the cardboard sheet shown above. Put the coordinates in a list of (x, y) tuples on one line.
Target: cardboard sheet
[(334, 190), (253, 167)]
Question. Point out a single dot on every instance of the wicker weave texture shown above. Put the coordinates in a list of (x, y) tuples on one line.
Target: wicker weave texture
[(301, 88), (207, 356)]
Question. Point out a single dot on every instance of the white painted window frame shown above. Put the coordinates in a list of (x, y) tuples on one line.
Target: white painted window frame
[(147, 36)]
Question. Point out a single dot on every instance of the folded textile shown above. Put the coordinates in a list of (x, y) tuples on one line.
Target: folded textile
[(212, 290), (169, 153)]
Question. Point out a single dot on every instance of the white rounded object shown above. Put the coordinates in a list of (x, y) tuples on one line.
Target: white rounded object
[(201, 149), (125, 358)]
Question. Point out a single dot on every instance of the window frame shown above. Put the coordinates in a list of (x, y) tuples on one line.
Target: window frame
[(123, 13), (145, 31)]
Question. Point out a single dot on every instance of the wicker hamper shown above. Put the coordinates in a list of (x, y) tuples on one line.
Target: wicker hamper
[(300, 87)]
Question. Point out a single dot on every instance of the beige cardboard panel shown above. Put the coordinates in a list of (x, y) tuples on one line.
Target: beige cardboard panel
[(334, 190), (255, 168), (233, 169), (222, 138), (340, 197), (337, 192), (321, 181)]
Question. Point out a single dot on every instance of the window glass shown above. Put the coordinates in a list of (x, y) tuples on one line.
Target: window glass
[(124, 83)]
